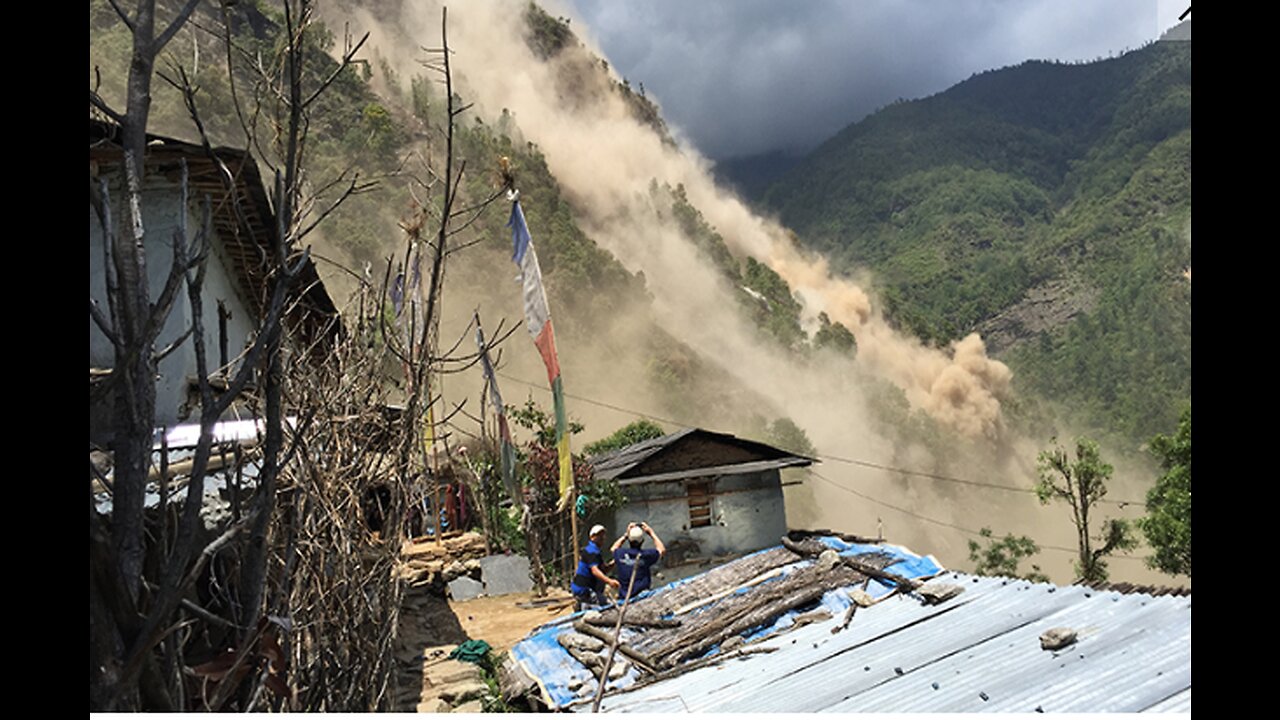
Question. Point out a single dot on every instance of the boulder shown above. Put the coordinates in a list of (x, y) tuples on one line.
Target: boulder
[(1057, 638)]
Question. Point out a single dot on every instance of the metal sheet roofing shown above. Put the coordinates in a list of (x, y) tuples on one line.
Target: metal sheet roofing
[(555, 672), (978, 652), (739, 468), (624, 464)]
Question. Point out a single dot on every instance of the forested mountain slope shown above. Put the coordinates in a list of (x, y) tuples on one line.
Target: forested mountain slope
[(1046, 205)]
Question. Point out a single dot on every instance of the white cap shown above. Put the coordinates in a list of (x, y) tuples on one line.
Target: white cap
[(636, 534), (595, 529)]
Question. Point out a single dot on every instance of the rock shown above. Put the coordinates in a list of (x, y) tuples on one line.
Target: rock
[(472, 706), (451, 673), (437, 652), (578, 641), (731, 643), (574, 684), (471, 565), (464, 588), (862, 598), (813, 616), (591, 616), (505, 574), (434, 566), (934, 593), (591, 661), (463, 691), (1055, 638), (455, 568), (407, 696), (827, 559), (434, 705), (417, 577), (619, 668)]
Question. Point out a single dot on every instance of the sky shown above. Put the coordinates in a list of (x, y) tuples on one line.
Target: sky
[(745, 77)]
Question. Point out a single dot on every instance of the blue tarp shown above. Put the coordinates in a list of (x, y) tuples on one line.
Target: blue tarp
[(555, 670)]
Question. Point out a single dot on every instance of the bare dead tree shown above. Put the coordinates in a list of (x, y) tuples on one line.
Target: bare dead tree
[(133, 602), (420, 352), (132, 324), (303, 588)]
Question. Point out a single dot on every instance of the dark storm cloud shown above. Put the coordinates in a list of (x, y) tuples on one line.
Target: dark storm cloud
[(740, 77)]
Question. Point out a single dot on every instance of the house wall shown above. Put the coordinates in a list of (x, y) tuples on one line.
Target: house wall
[(161, 201), (747, 513)]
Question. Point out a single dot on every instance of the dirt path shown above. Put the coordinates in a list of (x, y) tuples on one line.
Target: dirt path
[(501, 623), (432, 626)]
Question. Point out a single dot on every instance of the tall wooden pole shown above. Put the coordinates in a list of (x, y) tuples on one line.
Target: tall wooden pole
[(573, 512)]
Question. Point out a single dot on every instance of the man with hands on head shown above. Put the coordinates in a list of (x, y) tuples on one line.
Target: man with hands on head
[(635, 558)]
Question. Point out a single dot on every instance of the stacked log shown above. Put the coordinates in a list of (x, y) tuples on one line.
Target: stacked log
[(672, 631), (737, 614), (704, 627)]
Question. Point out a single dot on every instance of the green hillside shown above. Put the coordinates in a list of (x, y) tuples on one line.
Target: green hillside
[(384, 126), (1046, 205)]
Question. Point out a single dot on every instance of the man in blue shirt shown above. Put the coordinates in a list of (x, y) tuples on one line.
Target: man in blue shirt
[(636, 559), (589, 579)]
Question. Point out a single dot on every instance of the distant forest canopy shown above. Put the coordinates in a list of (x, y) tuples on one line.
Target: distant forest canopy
[(1047, 205)]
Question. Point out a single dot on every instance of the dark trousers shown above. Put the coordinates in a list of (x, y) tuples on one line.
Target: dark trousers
[(586, 599)]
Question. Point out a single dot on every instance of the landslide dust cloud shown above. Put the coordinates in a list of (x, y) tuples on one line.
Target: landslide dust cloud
[(605, 160)]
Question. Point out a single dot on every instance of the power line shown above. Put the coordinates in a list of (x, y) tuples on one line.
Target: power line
[(592, 401), (961, 481), (935, 521), (851, 461), (836, 458)]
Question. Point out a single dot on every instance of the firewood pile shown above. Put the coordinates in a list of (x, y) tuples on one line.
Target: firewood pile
[(424, 562), (711, 617)]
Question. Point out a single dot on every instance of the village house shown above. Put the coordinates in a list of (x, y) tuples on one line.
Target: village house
[(236, 283), (706, 494)]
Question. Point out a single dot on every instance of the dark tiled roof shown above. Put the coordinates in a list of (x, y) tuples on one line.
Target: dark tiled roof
[(244, 223)]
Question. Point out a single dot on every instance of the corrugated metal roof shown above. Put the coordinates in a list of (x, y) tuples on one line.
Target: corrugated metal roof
[(612, 464), (541, 657), (978, 652), (618, 463)]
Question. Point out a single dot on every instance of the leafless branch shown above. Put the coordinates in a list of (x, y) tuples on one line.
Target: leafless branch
[(355, 187), (347, 57), (206, 615), (177, 343), (94, 472), (101, 202), (124, 17), (97, 101), (178, 269), (174, 26), (101, 321)]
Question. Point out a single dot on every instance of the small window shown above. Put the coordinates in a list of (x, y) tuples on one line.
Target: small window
[(699, 504)]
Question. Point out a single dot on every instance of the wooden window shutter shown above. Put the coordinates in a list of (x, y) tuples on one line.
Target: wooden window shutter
[(699, 504)]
